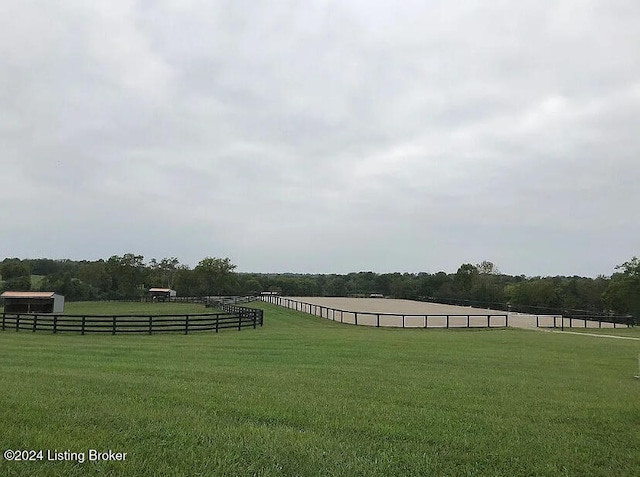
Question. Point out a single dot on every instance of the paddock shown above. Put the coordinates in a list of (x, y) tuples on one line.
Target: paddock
[(417, 314)]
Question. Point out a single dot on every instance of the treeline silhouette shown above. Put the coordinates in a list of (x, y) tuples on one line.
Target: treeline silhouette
[(129, 276)]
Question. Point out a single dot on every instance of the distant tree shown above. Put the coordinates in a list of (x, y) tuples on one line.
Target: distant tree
[(186, 281), (22, 283), (44, 266), (487, 268), (163, 273), (623, 293), (486, 285), (16, 275), (216, 275), (14, 268), (336, 286), (95, 276), (464, 279), (252, 286), (403, 285), (535, 292), (127, 274)]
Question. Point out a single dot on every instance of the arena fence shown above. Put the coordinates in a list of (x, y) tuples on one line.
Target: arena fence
[(400, 320), (570, 315), (584, 321), (234, 317)]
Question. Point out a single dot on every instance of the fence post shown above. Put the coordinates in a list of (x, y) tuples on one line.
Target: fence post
[(426, 321), (17, 322), (403, 321), (150, 325), (447, 321), (240, 321), (84, 319), (4, 317), (186, 324), (35, 323), (488, 321), (468, 321), (538, 321), (217, 321), (55, 324), (113, 325), (356, 317), (378, 320)]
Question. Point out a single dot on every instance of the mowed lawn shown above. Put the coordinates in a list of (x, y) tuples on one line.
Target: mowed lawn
[(304, 396)]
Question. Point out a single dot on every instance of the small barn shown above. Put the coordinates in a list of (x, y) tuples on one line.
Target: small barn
[(32, 302), (161, 294)]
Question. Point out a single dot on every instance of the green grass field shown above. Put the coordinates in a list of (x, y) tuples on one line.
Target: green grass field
[(630, 332), (36, 281), (303, 396)]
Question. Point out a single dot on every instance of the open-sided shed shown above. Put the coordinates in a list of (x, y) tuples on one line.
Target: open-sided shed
[(161, 294), (32, 302)]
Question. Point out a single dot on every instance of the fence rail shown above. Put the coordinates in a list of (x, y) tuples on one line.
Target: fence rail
[(403, 320), (572, 314), (240, 317), (588, 321)]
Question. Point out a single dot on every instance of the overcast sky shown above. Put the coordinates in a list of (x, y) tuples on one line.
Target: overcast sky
[(323, 136)]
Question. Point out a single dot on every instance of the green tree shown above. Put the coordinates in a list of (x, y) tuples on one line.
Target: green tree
[(487, 268), (163, 273), (486, 286), (16, 275), (215, 275), (186, 281), (14, 268), (464, 279), (623, 293), (127, 274)]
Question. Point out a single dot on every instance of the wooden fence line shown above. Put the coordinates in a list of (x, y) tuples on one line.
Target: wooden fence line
[(239, 317), (582, 321)]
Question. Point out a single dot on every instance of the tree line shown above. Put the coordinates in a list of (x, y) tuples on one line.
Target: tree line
[(129, 276)]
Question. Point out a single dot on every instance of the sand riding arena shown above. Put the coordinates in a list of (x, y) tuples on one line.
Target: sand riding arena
[(416, 314)]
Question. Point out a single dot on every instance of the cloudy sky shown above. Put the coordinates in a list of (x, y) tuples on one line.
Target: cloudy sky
[(323, 136)]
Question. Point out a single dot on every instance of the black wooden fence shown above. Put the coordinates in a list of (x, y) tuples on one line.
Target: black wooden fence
[(239, 318), (403, 320), (589, 321), (568, 314)]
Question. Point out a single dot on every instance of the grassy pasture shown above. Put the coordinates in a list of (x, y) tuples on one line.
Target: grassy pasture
[(631, 332), (36, 281), (309, 397)]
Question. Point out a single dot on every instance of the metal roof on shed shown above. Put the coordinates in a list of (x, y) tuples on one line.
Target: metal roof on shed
[(19, 294), (160, 289)]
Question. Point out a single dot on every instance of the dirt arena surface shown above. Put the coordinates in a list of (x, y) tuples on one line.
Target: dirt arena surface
[(412, 314)]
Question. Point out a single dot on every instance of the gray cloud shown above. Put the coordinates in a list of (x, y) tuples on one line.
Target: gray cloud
[(323, 136)]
